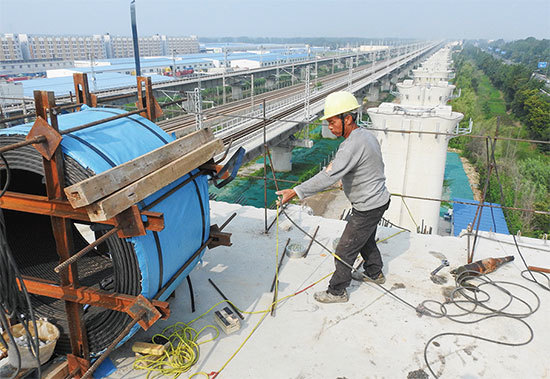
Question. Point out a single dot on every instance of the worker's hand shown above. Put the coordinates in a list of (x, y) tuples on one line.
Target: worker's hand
[(286, 196)]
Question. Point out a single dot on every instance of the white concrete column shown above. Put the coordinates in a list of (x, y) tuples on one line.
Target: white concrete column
[(373, 93), (282, 158), (236, 92), (385, 84), (270, 83)]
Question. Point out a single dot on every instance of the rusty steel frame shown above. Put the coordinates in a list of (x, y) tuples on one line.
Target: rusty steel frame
[(88, 295), (62, 208), (55, 205)]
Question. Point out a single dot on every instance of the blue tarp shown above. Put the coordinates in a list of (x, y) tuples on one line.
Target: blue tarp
[(492, 219), (186, 212)]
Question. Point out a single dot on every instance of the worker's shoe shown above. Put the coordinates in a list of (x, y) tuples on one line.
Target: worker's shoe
[(327, 297), (362, 276)]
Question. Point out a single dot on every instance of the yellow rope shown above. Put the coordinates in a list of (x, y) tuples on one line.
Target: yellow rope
[(276, 293), (410, 214), (183, 349)]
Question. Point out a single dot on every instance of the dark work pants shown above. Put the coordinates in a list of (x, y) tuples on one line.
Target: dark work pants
[(358, 237)]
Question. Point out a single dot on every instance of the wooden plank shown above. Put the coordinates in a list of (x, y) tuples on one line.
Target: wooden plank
[(117, 202), (57, 371), (104, 184)]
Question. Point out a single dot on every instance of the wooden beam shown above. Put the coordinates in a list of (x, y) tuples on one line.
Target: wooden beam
[(57, 371), (104, 184), (123, 199)]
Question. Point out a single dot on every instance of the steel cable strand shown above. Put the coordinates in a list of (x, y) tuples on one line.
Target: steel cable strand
[(8, 175), (482, 303), (102, 325)]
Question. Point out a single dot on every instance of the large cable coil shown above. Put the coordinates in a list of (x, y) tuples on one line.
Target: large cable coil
[(138, 265)]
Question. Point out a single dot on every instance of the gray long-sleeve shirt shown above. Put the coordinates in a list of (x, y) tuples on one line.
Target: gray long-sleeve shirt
[(358, 162)]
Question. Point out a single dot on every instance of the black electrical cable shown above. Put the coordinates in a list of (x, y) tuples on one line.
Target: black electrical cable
[(491, 312), (14, 303), (486, 312)]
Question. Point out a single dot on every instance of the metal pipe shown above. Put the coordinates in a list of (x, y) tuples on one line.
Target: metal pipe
[(63, 265), (311, 242), (228, 221), (13, 146), (102, 121), (539, 269), (279, 266), (265, 169), (225, 298), (163, 105)]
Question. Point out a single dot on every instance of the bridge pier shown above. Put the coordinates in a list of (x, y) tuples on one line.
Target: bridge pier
[(270, 83), (236, 92), (385, 84), (281, 154), (281, 157), (373, 93)]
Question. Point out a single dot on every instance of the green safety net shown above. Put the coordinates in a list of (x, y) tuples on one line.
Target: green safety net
[(306, 162)]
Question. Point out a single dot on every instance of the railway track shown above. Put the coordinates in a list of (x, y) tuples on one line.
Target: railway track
[(184, 122), (235, 137)]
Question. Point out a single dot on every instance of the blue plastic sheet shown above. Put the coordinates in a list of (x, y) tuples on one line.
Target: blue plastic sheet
[(186, 212)]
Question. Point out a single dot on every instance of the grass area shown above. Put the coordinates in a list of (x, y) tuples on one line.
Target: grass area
[(523, 170), (492, 101)]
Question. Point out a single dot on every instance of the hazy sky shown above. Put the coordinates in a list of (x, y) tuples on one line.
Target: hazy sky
[(423, 19)]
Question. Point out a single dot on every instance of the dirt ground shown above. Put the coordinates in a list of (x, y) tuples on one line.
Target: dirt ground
[(328, 204)]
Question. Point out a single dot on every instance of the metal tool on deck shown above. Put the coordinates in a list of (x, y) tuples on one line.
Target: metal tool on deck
[(444, 263)]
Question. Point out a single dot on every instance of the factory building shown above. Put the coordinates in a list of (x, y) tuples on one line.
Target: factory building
[(29, 46)]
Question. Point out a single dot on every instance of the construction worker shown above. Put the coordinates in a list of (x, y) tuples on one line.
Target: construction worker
[(358, 163)]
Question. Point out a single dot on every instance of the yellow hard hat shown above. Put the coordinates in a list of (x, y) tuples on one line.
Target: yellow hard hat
[(339, 102)]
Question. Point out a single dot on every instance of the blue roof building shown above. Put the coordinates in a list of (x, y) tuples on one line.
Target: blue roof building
[(104, 81), (492, 219)]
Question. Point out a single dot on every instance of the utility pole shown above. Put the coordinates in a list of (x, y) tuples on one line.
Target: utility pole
[(350, 73), (252, 89), (277, 74), (135, 37), (316, 72), (223, 86), (306, 102)]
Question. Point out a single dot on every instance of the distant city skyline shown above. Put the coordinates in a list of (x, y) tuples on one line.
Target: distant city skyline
[(420, 19)]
